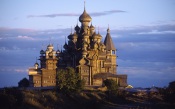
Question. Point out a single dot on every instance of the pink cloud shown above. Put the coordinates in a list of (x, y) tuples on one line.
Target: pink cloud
[(21, 70), (25, 37)]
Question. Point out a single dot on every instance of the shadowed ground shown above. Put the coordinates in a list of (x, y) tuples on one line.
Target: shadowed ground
[(51, 99)]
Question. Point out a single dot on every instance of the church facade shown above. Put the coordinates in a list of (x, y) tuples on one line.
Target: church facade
[(93, 59)]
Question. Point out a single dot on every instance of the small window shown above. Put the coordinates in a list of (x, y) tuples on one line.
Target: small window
[(102, 64), (86, 71), (45, 81), (113, 51)]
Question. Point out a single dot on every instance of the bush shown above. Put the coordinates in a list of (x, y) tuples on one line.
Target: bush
[(111, 84), (69, 81)]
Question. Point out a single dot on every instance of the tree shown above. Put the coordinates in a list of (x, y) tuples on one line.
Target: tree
[(111, 84), (23, 83), (68, 80)]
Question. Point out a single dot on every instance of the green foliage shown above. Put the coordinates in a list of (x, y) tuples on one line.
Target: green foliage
[(69, 81), (111, 84), (80, 85), (23, 83)]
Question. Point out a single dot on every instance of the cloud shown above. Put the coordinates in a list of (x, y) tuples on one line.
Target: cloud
[(9, 33), (95, 14), (147, 73), (25, 37), (3, 48), (23, 30), (14, 69), (9, 36), (22, 70), (20, 40), (15, 48), (53, 15), (157, 32)]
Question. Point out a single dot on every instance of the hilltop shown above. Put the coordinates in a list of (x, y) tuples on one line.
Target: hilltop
[(87, 99)]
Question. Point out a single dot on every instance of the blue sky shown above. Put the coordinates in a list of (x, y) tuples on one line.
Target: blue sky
[(143, 32)]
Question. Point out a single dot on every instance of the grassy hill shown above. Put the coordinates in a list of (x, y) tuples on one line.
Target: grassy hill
[(13, 98)]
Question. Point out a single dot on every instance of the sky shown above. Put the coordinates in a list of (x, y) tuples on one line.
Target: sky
[(143, 32)]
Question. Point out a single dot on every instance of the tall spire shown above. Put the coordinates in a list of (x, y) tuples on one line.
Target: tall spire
[(65, 45), (50, 40), (42, 46), (108, 41), (95, 28), (77, 28), (84, 5), (58, 51), (57, 46), (77, 22), (36, 59), (36, 64), (61, 47), (108, 30), (65, 39)]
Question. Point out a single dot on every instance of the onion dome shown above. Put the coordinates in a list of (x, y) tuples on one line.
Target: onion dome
[(53, 51), (70, 36), (95, 45), (99, 36), (108, 30), (36, 64), (103, 46), (77, 28), (92, 27), (85, 35), (84, 17), (95, 36), (50, 46), (74, 36), (65, 46), (58, 51), (42, 52)]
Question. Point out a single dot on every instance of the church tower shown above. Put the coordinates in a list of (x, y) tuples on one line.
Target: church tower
[(111, 52), (48, 77), (46, 74)]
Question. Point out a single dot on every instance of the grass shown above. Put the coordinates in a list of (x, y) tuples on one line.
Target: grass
[(87, 99)]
